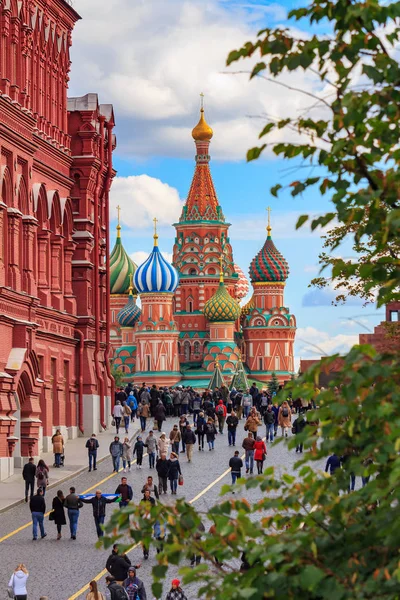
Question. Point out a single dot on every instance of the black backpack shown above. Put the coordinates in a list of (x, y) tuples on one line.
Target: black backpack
[(119, 593), (285, 412)]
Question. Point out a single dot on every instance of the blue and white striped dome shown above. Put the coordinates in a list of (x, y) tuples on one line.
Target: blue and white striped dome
[(156, 274), (129, 314)]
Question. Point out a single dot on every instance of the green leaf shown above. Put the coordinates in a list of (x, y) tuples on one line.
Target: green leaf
[(269, 127), (254, 153), (301, 220), (274, 190)]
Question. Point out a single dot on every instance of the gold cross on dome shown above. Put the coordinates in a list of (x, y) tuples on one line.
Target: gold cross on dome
[(202, 101), (118, 212), (269, 228), (155, 236)]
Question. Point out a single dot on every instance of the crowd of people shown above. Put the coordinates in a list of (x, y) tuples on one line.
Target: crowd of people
[(201, 419)]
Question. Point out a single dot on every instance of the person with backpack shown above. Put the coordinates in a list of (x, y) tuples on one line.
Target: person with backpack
[(138, 449), (232, 422), (28, 474), (127, 416), (176, 592), (297, 428), (42, 476), (169, 407), (116, 591), (220, 411), (126, 455), (196, 407), (247, 403), (275, 410), (183, 422), (134, 586), (118, 564), (143, 412), (151, 445), (159, 414), (201, 427), (285, 418), (133, 404), (264, 401), (211, 432), (189, 439), (269, 421), (92, 445), (162, 468), (237, 404)]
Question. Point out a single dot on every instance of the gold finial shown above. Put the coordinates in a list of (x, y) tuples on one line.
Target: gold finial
[(216, 363), (202, 132), (118, 226), (130, 289), (221, 272), (155, 236), (269, 228)]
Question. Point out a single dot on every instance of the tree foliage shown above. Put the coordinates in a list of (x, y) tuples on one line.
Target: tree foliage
[(273, 384), (308, 537)]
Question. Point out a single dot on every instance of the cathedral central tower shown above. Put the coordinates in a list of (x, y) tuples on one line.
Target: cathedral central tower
[(202, 237)]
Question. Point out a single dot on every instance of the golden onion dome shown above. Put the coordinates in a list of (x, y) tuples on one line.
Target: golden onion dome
[(248, 307), (221, 306), (202, 132)]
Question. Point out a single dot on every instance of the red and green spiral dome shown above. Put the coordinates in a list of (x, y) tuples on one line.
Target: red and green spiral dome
[(269, 264)]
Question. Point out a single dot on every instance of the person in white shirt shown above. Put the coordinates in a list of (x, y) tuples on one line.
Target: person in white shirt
[(18, 582), (118, 413)]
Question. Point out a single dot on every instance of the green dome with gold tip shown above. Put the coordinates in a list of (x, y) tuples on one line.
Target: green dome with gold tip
[(221, 306), (121, 267)]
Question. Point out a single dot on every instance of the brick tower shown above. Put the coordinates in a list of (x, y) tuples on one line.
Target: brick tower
[(201, 238)]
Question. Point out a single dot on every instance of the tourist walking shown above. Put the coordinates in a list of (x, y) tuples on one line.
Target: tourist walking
[(151, 487), (176, 592), (115, 589), (127, 416), (99, 502), (196, 407), (126, 455), (133, 405), (94, 593), (151, 445), (163, 444), (201, 427), (174, 470), (269, 421), (37, 507), (232, 422), (247, 403), (260, 453), (116, 451), (238, 404), (252, 422), (211, 432), (189, 440), (248, 445), (58, 512), (175, 438), (159, 414), (143, 413), (275, 410), (183, 422), (58, 448), (118, 564), (118, 413), (220, 411), (125, 491), (297, 428), (285, 418), (92, 446), (28, 474), (236, 465), (134, 586), (332, 464), (73, 504), (162, 468), (138, 449), (42, 475), (18, 581)]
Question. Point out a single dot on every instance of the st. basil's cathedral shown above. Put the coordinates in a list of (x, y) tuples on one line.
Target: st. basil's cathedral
[(190, 318)]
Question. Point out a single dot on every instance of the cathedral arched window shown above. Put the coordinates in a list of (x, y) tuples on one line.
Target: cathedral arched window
[(196, 347), (186, 350), (192, 271)]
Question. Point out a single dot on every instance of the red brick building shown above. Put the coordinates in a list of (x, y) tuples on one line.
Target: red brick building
[(55, 176)]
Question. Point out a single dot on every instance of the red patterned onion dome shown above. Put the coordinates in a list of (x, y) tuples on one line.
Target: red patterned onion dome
[(242, 286), (269, 264)]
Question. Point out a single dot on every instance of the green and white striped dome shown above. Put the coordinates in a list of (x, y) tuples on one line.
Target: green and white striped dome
[(121, 269)]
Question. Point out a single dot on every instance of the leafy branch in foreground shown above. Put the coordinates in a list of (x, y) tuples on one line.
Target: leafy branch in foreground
[(356, 141)]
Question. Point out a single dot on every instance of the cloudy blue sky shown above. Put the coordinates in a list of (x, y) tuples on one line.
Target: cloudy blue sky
[(151, 59)]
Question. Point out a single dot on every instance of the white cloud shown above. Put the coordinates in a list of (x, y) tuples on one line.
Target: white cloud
[(142, 198), (251, 226), (152, 58), (140, 256), (313, 343)]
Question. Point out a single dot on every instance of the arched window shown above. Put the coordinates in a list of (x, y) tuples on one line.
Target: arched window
[(192, 271), (186, 350), (189, 304), (196, 348)]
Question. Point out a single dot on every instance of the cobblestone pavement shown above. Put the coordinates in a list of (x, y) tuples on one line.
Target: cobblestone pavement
[(59, 569)]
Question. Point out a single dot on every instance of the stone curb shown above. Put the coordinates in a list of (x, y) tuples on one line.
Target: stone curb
[(74, 474)]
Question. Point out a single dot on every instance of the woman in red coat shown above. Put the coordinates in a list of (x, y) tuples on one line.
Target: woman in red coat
[(260, 452)]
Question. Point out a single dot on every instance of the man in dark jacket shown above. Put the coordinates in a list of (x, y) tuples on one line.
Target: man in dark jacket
[(98, 502), (125, 491), (73, 503), (134, 585), (162, 468), (269, 420), (232, 423), (37, 506), (248, 445), (298, 427), (236, 465), (92, 444), (332, 464), (121, 395), (28, 473), (118, 564), (188, 439)]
